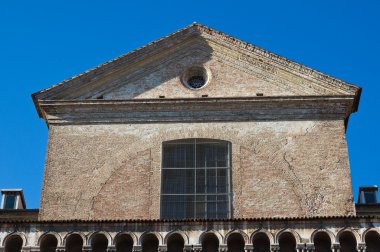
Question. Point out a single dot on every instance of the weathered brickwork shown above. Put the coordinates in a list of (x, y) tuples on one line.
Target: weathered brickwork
[(161, 61), (285, 123), (165, 80), (280, 168)]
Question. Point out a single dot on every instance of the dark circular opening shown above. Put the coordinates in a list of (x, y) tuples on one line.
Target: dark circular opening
[(196, 81), (195, 77)]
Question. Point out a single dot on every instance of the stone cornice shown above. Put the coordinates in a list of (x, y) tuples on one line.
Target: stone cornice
[(197, 110), (315, 219)]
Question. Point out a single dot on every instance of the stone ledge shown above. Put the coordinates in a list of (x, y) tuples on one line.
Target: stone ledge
[(197, 110)]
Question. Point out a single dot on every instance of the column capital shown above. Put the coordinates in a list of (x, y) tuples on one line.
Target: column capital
[(310, 247), (86, 248), (111, 248), (300, 247), (187, 248), (275, 247), (32, 249), (137, 248), (248, 247), (336, 247), (362, 247), (223, 248), (197, 248), (60, 249), (162, 248)]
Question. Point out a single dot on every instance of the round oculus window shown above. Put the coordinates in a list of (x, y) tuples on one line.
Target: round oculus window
[(195, 77)]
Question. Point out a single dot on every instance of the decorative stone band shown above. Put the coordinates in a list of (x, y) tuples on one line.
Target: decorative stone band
[(197, 110)]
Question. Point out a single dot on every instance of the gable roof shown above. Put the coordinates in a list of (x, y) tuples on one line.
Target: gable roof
[(339, 87)]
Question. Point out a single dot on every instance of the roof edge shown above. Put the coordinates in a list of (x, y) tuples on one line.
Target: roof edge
[(305, 218)]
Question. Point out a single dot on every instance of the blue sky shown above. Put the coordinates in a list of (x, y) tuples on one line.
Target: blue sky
[(44, 42)]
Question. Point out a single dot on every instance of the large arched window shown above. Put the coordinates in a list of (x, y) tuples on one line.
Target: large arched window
[(195, 179)]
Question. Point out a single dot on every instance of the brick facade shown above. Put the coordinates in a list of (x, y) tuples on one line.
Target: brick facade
[(278, 169)]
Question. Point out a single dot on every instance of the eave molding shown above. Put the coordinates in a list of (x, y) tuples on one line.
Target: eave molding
[(312, 219), (197, 109)]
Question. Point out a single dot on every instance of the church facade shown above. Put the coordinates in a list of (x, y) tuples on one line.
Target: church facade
[(197, 141)]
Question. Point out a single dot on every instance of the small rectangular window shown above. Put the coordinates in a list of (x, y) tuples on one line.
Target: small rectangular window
[(10, 201)]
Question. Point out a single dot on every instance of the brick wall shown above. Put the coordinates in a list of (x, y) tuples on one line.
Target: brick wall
[(279, 168)]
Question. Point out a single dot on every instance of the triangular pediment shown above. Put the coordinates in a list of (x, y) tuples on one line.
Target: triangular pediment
[(233, 68)]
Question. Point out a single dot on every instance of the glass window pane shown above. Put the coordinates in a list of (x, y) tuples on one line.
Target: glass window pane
[(176, 206), (10, 201), (200, 207), (211, 210), (178, 156), (222, 206), (177, 181), (370, 197), (201, 181), (222, 180), (212, 155), (211, 180)]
